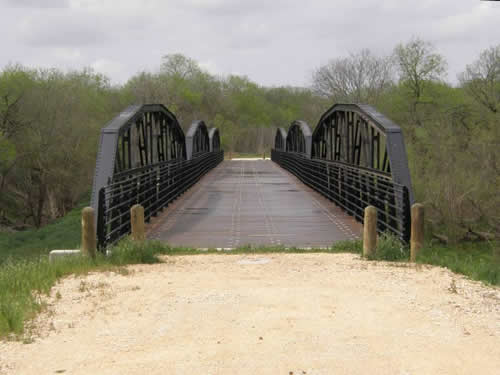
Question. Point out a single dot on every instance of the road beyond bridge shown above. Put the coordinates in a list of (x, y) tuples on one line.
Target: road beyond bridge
[(253, 202)]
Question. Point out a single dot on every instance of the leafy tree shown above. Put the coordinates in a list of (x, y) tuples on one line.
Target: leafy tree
[(481, 79), (418, 63), (178, 65)]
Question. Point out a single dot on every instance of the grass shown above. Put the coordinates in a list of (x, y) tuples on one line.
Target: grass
[(63, 233), (390, 248), (26, 274), (23, 281), (475, 260)]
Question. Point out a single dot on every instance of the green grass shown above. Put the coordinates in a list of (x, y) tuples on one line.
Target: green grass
[(390, 248), (472, 259), (22, 281), (26, 273), (63, 233)]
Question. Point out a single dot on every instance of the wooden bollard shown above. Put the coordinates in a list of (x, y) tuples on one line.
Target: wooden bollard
[(137, 222), (417, 230), (88, 232), (370, 232)]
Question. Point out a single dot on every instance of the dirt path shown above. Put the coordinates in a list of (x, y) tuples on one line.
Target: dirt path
[(273, 314)]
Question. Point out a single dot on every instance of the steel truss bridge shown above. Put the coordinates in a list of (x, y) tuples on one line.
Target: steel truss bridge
[(313, 193)]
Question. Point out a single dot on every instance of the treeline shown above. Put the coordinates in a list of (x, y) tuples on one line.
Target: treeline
[(50, 122)]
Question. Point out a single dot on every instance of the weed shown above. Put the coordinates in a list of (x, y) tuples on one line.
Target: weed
[(83, 287), (390, 248), (348, 247), (473, 259), (453, 287)]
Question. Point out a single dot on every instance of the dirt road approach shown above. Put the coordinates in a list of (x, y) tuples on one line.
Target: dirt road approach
[(264, 314)]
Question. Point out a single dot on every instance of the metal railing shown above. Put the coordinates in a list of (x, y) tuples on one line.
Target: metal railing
[(153, 187), (353, 189)]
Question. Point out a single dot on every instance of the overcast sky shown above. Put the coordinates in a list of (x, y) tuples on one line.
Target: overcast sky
[(273, 42)]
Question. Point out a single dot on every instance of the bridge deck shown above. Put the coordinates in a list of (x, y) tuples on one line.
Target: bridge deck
[(252, 202)]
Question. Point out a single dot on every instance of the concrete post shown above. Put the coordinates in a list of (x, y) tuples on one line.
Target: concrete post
[(417, 230), (370, 231), (89, 238), (137, 222)]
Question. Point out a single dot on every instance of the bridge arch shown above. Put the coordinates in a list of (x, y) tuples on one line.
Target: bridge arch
[(143, 159), (140, 136), (214, 137), (197, 139), (360, 136), (298, 138), (280, 139), (355, 157)]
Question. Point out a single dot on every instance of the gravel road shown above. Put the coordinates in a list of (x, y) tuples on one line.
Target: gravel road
[(267, 314)]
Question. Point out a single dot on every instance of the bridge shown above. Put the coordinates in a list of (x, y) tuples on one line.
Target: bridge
[(311, 193)]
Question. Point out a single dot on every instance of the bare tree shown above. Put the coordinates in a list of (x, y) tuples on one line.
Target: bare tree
[(481, 79), (361, 77)]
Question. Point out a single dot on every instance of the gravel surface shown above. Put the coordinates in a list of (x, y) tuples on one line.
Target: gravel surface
[(267, 314)]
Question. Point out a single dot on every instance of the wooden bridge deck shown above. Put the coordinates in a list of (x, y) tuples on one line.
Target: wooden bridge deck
[(252, 202)]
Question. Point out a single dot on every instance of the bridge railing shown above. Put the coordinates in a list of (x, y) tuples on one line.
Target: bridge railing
[(353, 189), (153, 187)]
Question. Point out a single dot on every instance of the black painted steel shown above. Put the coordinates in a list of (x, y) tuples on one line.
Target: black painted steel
[(139, 136), (298, 138), (197, 140), (214, 136), (144, 158), (153, 187), (280, 139), (358, 135), (353, 189), (355, 157)]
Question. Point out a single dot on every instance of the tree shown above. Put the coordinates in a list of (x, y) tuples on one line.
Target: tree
[(418, 63), (481, 79), (361, 77), (180, 66)]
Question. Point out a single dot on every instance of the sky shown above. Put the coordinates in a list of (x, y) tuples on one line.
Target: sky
[(272, 42)]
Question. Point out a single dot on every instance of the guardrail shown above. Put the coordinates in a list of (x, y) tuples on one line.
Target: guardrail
[(153, 187), (353, 189)]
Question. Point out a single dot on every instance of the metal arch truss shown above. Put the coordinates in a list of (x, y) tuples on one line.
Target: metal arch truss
[(358, 135), (298, 138), (356, 157), (143, 159), (139, 136), (214, 136), (197, 139), (280, 139)]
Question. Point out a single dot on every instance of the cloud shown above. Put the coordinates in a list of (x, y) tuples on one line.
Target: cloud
[(47, 4), (272, 42), (62, 29), (231, 8)]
